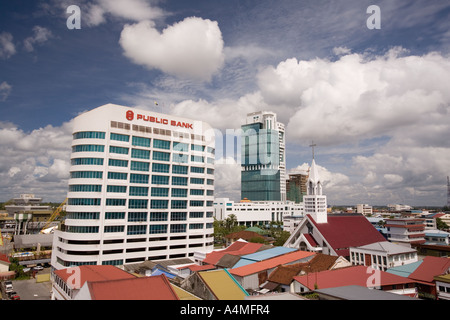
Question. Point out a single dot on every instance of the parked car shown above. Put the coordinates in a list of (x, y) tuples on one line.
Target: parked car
[(38, 268), (8, 286), (14, 296)]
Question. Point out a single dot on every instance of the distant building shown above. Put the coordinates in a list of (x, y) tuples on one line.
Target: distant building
[(296, 187), (251, 213), (355, 276), (437, 237), (263, 165), (332, 234), (364, 209), (28, 213), (405, 231), (399, 207)]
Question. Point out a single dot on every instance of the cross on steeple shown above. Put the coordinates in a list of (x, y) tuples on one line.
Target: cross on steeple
[(312, 145)]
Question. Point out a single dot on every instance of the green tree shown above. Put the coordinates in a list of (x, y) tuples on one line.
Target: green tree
[(441, 225)]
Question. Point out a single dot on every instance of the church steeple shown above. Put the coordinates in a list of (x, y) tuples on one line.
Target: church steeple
[(314, 183), (315, 201)]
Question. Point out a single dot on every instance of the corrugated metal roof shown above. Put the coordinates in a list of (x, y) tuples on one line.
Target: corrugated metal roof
[(289, 257), (262, 255), (223, 285), (405, 270), (361, 293), (79, 275), (356, 275), (145, 288), (431, 267)]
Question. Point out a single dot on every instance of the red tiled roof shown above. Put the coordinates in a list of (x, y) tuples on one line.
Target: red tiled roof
[(270, 263), (310, 239), (344, 231), (145, 288), (356, 275), (237, 248), (429, 268), (4, 257), (196, 267), (79, 275)]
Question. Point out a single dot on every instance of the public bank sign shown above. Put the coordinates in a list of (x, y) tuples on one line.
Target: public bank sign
[(130, 115)]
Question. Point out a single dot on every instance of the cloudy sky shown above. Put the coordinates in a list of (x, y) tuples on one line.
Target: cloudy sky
[(376, 101)]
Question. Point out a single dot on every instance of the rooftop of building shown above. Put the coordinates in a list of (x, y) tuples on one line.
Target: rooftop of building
[(387, 247), (342, 231), (223, 285), (75, 277), (355, 292), (355, 275), (262, 255), (145, 288), (269, 263)]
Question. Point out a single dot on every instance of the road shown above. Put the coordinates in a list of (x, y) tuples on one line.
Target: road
[(30, 290)]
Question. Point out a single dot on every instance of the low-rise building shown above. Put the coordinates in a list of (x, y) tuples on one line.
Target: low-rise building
[(382, 255), (356, 275), (405, 231), (364, 209), (437, 237), (443, 287), (426, 272), (252, 213), (358, 293), (146, 288), (67, 282), (282, 277), (214, 285), (253, 275)]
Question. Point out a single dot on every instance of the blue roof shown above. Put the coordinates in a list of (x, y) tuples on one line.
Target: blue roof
[(262, 255), (405, 270), (158, 272)]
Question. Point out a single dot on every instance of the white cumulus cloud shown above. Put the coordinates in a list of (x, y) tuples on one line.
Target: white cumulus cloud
[(190, 48), (7, 47)]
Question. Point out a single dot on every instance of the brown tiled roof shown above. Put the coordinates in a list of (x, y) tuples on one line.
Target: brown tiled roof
[(284, 274), (246, 235), (320, 262)]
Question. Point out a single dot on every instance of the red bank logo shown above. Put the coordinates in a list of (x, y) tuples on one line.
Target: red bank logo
[(130, 115)]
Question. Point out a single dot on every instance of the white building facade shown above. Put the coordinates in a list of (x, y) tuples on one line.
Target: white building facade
[(141, 187), (315, 201), (253, 213), (382, 255), (364, 209)]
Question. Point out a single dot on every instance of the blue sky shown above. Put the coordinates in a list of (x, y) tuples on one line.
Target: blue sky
[(374, 101)]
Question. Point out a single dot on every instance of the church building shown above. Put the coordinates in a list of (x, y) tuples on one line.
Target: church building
[(330, 234)]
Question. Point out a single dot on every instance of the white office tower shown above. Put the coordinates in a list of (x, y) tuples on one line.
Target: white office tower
[(141, 188), (315, 202)]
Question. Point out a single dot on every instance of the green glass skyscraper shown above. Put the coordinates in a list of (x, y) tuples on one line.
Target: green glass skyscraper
[(263, 166)]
